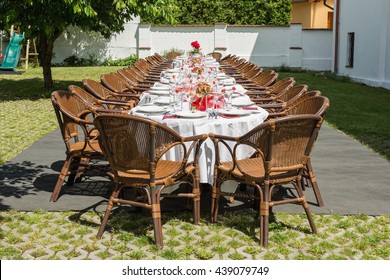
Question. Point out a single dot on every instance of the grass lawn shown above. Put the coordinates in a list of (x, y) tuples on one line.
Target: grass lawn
[(26, 115), (360, 111)]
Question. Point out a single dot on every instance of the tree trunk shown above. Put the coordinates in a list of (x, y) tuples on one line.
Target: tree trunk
[(47, 44)]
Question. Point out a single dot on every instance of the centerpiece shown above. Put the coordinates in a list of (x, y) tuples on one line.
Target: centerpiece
[(202, 99), (195, 48)]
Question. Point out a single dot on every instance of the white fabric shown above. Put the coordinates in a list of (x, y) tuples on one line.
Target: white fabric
[(222, 126)]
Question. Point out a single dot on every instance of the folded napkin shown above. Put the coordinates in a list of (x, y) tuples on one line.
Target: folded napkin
[(229, 81), (170, 117), (250, 108), (242, 101), (240, 89)]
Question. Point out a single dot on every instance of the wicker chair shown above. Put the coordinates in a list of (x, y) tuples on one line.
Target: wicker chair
[(116, 83), (317, 105), (96, 104), (103, 93), (262, 81), (216, 55), (172, 55), (79, 136), (277, 110), (134, 147), (281, 150), (283, 99)]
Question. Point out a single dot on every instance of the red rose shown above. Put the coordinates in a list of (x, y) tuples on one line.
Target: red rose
[(195, 44)]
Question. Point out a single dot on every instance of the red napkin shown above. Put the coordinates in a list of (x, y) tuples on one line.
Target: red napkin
[(250, 108), (170, 117)]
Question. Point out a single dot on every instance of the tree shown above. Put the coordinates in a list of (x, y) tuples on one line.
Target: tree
[(47, 19), (275, 12)]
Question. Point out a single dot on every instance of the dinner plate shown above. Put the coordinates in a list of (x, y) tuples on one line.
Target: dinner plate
[(151, 109), (235, 112), (162, 100), (159, 92), (191, 114)]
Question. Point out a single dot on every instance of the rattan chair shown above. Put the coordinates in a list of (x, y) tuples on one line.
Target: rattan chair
[(103, 93), (172, 55), (316, 105), (135, 147), (281, 150), (277, 110), (216, 55), (116, 83), (96, 104), (79, 136)]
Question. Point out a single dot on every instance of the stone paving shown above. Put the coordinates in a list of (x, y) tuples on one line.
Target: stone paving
[(71, 235)]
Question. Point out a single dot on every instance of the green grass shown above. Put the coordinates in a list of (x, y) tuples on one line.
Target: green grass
[(61, 240), (358, 110), (26, 113)]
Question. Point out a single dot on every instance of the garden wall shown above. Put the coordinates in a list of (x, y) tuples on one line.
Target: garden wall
[(267, 46)]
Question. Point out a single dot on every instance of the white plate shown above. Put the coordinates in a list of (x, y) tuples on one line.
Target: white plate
[(162, 100), (235, 112), (191, 114), (151, 109), (159, 92), (241, 103)]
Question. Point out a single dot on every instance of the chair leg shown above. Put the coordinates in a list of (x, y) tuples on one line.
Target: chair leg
[(264, 216), (156, 216), (110, 205), (73, 171), (305, 206), (61, 179), (196, 204), (314, 184), (105, 218), (215, 195)]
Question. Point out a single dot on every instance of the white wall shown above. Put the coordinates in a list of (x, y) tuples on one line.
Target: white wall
[(267, 46), (370, 22), (83, 44), (317, 51)]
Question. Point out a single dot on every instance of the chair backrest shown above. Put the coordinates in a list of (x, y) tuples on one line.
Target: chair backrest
[(216, 55), (281, 86), (72, 113), (293, 93), (97, 89), (284, 144), (316, 105), (115, 83), (266, 78), (134, 143), (172, 55), (86, 96)]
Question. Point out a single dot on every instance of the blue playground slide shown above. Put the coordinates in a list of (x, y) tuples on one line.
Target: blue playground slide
[(12, 52)]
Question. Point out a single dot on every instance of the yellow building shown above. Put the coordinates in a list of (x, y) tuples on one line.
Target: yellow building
[(313, 13)]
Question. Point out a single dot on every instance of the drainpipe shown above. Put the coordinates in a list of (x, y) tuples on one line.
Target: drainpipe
[(336, 41), (326, 5)]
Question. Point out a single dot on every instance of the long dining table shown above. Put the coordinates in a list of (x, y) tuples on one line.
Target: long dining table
[(243, 116)]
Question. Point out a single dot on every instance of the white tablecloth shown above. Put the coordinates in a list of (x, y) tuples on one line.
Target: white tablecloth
[(224, 126)]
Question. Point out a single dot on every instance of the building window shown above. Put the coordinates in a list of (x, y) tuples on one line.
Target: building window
[(350, 49), (330, 20)]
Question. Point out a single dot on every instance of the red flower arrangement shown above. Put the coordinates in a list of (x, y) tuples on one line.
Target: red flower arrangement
[(196, 47)]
